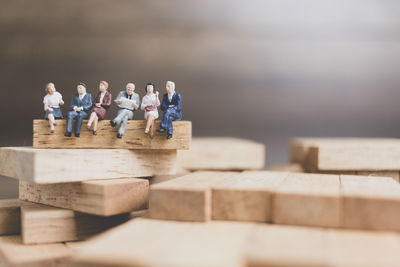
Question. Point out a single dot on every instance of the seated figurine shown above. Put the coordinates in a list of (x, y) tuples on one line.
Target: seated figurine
[(52, 102), (101, 103), (172, 107)]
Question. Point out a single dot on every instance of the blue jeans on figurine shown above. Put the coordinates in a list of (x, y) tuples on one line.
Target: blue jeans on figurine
[(169, 116), (79, 117)]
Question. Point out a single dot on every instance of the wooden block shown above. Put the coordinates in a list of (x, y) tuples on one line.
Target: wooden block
[(45, 224), (15, 254), (246, 197), (186, 198), (144, 242), (101, 197), (371, 203), (363, 154), (290, 167), (163, 178), (393, 174), (309, 200), (10, 222), (273, 245), (134, 137), (221, 153), (72, 165)]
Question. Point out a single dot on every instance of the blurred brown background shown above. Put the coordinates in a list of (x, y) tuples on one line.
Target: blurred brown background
[(266, 70)]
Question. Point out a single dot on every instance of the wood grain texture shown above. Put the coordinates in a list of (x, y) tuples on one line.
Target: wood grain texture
[(246, 197), (72, 165), (308, 199), (134, 137), (222, 153), (290, 167), (136, 243), (10, 223), (187, 198), (395, 175), (13, 253), (101, 197), (45, 224), (370, 203)]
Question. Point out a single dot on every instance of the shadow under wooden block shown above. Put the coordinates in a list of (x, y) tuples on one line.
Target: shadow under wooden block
[(309, 200), (72, 165), (370, 203), (10, 223), (101, 197), (178, 244), (222, 154), (14, 253), (45, 224), (187, 198), (134, 137), (246, 197)]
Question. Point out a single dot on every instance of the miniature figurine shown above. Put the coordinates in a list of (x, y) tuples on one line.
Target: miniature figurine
[(172, 107), (150, 102), (80, 104), (52, 102), (100, 106), (127, 101)]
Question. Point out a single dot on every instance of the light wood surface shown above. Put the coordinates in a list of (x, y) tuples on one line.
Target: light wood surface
[(45, 224), (395, 175), (370, 203), (134, 137), (10, 216), (246, 197), (187, 198), (71, 165), (13, 253), (101, 197), (222, 153), (308, 199), (289, 167)]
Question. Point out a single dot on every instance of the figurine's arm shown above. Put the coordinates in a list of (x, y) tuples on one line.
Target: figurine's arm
[(137, 99), (61, 99), (108, 103), (164, 104), (73, 105), (178, 107), (87, 105), (157, 99), (144, 103), (119, 96)]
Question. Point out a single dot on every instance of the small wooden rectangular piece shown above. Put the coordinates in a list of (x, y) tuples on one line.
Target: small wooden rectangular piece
[(222, 154), (309, 200), (10, 216), (72, 165), (246, 197), (15, 254), (187, 198), (370, 203), (395, 175), (134, 137), (101, 197), (45, 224)]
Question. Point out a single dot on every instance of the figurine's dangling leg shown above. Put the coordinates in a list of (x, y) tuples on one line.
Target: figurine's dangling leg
[(96, 120), (148, 124), (91, 119), (51, 122)]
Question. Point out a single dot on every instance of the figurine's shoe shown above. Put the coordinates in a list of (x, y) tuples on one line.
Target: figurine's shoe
[(161, 130), (52, 131), (88, 127), (119, 136), (151, 136), (67, 134), (169, 136), (113, 123), (77, 135), (146, 131), (94, 132), (54, 124)]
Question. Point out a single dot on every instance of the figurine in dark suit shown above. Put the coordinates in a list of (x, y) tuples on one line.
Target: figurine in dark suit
[(172, 107), (81, 103), (101, 103)]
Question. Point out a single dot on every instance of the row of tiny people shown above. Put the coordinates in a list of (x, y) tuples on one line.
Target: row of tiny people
[(83, 107)]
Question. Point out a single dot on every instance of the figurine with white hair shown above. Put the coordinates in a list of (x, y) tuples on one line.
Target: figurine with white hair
[(172, 107), (128, 101)]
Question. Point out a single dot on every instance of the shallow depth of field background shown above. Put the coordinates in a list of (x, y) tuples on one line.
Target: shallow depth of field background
[(265, 70)]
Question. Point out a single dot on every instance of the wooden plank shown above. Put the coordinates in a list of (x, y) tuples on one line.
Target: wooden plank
[(15, 254), (163, 178), (134, 137), (72, 165), (144, 242), (45, 224), (187, 198), (370, 203), (10, 222), (309, 200), (362, 154), (289, 167), (246, 197), (392, 174), (221, 153), (101, 197)]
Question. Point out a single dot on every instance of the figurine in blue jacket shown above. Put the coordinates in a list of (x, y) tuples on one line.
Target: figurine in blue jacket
[(81, 104), (172, 107)]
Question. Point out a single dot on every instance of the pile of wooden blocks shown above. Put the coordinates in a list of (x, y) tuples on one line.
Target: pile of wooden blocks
[(220, 209)]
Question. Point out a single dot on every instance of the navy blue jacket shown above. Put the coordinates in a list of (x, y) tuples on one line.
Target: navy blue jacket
[(86, 102), (176, 101)]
